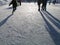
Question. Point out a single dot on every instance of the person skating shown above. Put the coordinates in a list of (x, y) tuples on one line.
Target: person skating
[(14, 5), (44, 4), (39, 2)]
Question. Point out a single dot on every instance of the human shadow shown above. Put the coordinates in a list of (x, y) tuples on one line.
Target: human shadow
[(54, 20), (53, 17), (5, 20), (52, 31)]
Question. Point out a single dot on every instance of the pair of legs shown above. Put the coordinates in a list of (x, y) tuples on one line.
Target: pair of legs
[(39, 3), (14, 8), (43, 5)]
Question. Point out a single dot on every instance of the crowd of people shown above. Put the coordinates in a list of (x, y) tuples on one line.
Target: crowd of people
[(39, 2)]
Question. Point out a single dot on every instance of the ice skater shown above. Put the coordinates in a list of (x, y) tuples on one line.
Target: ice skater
[(44, 4), (14, 5)]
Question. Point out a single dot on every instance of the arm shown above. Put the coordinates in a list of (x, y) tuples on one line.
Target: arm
[(10, 3)]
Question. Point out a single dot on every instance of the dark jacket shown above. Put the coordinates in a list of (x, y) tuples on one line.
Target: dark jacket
[(13, 3), (41, 1)]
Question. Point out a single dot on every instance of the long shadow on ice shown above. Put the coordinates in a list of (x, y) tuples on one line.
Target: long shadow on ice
[(53, 17), (52, 31), (54, 20), (4, 21)]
